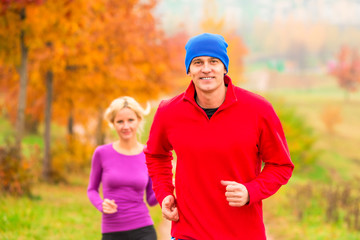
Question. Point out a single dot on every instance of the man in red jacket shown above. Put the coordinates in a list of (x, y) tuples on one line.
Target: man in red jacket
[(221, 135)]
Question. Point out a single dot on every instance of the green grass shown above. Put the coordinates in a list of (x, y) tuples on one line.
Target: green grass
[(56, 212)]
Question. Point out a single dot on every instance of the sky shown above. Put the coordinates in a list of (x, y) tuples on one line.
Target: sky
[(175, 14)]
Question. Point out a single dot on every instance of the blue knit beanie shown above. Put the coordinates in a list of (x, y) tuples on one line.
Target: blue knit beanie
[(206, 44)]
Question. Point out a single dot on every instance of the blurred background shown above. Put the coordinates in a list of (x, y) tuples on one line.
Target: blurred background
[(63, 62)]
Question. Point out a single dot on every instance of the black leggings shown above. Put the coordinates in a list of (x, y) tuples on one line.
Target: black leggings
[(144, 233)]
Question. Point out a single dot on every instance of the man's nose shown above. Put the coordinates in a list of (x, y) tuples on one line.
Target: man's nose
[(206, 67)]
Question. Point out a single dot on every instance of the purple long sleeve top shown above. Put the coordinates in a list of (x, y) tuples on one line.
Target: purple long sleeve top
[(124, 178)]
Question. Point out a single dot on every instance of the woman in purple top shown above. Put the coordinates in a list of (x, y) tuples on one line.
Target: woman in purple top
[(121, 169)]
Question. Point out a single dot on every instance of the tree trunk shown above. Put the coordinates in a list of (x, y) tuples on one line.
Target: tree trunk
[(70, 123), (20, 118), (47, 133), (100, 136)]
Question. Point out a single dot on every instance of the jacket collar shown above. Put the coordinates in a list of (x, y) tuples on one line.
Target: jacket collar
[(230, 97)]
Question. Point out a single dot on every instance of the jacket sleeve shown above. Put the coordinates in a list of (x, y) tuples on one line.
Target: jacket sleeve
[(94, 182), (275, 154), (150, 195), (158, 156)]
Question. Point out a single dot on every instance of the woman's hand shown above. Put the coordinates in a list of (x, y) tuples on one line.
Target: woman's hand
[(109, 206)]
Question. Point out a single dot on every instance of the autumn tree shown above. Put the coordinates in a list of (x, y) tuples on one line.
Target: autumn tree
[(15, 174), (13, 27), (86, 54), (125, 56), (55, 42), (174, 48), (346, 69)]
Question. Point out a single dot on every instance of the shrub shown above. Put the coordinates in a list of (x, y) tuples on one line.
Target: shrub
[(300, 136), (72, 155), (331, 116), (17, 173), (337, 203)]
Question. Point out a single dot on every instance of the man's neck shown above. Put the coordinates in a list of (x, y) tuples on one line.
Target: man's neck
[(211, 99)]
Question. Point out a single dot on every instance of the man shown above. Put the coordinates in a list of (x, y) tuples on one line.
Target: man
[(221, 135)]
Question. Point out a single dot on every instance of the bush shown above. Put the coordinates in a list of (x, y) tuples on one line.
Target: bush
[(70, 156), (17, 173), (300, 137), (337, 203), (331, 116)]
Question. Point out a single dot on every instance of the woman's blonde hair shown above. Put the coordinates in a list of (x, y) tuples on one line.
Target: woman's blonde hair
[(126, 102)]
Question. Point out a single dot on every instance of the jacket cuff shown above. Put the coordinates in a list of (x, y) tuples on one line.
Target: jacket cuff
[(161, 198), (253, 191)]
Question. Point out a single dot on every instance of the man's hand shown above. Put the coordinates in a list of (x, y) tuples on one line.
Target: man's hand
[(109, 206), (169, 209), (236, 194)]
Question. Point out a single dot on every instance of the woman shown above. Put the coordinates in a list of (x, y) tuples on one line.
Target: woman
[(120, 168)]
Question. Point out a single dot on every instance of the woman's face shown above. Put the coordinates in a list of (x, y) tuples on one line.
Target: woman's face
[(126, 124)]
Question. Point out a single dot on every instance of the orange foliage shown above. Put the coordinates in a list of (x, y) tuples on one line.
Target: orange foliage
[(174, 47), (72, 155), (97, 50), (16, 4), (13, 26), (331, 116)]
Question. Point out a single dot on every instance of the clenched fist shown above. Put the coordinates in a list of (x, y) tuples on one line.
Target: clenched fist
[(169, 209), (236, 194)]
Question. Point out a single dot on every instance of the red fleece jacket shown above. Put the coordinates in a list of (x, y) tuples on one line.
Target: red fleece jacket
[(242, 134)]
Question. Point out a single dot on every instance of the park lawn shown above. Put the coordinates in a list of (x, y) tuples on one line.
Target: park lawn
[(341, 147), (55, 212)]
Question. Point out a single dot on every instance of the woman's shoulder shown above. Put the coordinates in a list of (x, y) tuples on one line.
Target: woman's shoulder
[(104, 148)]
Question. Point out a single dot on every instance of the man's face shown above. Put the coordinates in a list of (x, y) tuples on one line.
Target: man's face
[(207, 73)]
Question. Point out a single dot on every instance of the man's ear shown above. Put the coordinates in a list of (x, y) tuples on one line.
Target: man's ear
[(225, 70)]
